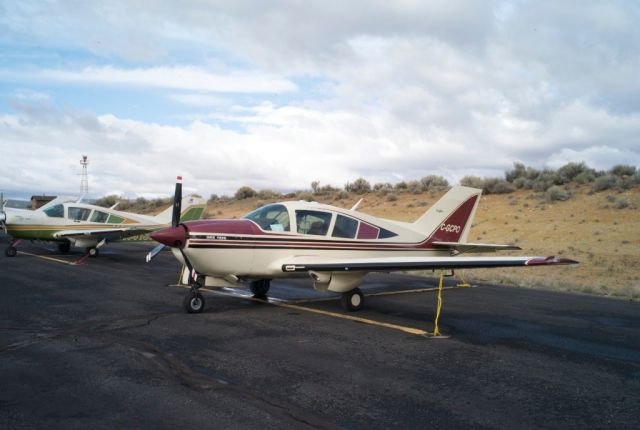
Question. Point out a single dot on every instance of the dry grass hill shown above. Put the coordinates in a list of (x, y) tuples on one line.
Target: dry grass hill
[(601, 230)]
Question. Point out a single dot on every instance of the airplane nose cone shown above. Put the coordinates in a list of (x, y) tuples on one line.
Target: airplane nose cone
[(172, 236)]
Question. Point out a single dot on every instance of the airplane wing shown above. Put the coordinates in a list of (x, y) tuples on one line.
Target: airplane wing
[(108, 233), (391, 264), (474, 247)]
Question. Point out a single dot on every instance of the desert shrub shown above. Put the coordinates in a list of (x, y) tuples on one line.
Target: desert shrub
[(570, 171), (522, 183), (322, 190), (359, 186), (433, 181), (391, 197), (472, 181), (545, 179), (401, 186), (245, 193), (414, 187), (518, 171), (304, 195), (621, 170), (585, 177), (605, 182), (621, 204), (107, 201), (498, 186), (383, 188), (488, 185), (268, 194), (214, 197), (556, 193), (342, 195)]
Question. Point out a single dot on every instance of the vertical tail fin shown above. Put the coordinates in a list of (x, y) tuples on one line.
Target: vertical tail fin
[(193, 208), (450, 218)]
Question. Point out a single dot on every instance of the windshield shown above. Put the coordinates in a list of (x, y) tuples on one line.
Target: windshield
[(270, 217), (56, 211)]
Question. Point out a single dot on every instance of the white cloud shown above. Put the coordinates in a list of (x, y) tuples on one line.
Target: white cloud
[(408, 88), (177, 77)]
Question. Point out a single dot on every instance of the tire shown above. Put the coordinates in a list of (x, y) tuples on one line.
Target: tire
[(193, 303), (353, 300), (93, 252), (64, 247), (260, 288), (11, 251)]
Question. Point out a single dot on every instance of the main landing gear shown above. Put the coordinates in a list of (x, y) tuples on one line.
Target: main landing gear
[(92, 252), (353, 300), (260, 288), (12, 250)]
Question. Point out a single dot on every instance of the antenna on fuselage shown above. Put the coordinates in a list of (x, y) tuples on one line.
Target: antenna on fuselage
[(354, 207)]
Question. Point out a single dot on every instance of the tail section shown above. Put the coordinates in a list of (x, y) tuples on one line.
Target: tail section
[(450, 218), (193, 208)]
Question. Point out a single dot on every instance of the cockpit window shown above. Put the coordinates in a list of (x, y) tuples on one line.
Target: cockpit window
[(313, 222), (78, 214), (56, 211), (345, 227), (270, 217), (99, 216)]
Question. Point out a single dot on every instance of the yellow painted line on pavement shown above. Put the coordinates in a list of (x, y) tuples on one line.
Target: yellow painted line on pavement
[(410, 330), (57, 260)]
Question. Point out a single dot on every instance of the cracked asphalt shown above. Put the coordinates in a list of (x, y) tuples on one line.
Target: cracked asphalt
[(106, 345)]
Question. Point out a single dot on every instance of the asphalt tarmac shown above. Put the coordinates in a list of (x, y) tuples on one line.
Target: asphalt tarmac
[(106, 345)]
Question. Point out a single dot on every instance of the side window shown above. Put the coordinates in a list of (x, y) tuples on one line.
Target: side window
[(367, 231), (313, 222), (385, 234), (270, 217), (345, 227), (78, 214), (56, 211), (99, 216)]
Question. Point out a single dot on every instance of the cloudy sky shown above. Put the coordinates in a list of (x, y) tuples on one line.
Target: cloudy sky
[(278, 94)]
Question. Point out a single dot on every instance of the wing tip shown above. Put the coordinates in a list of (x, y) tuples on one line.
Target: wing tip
[(552, 260)]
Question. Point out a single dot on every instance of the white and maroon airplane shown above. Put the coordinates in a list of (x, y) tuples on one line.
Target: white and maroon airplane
[(336, 247)]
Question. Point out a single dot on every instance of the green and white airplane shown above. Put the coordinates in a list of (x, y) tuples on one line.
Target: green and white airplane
[(69, 223)]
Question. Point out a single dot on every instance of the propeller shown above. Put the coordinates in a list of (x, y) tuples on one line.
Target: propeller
[(166, 236), (3, 214)]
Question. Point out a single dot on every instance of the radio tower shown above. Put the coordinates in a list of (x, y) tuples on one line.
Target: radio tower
[(84, 177)]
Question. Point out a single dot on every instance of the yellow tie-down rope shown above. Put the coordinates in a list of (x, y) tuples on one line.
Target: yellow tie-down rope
[(436, 331)]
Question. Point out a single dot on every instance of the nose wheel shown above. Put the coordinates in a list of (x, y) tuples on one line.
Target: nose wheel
[(193, 302)]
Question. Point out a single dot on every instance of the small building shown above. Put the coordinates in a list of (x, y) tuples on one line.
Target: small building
[(39, 201)]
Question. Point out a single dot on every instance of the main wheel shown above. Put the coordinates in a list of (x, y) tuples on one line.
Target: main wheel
[(93, 252), (352, 300), (193, 302), (260, 288), (11, 251), (64, 247)]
